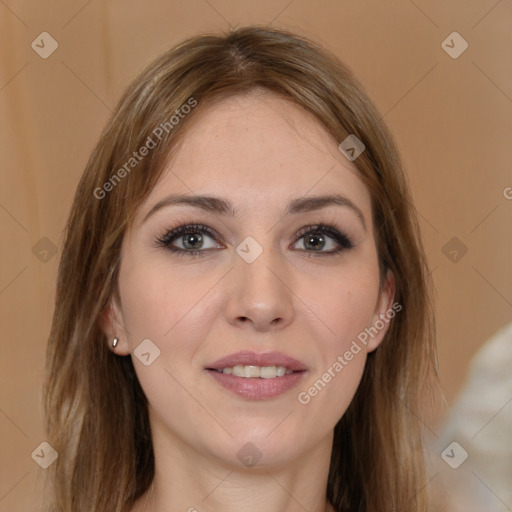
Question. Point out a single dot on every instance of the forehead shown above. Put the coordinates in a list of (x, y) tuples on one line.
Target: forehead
[(261, 146)]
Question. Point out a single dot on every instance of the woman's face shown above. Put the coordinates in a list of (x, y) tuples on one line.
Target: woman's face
[(254, 280)]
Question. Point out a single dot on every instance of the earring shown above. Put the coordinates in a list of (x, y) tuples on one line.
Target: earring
[(115, 342)]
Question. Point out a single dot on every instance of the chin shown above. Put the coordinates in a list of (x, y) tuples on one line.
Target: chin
[(262, 448)]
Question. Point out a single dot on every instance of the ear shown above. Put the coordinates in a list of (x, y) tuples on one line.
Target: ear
[(112, 324), (385, 310)]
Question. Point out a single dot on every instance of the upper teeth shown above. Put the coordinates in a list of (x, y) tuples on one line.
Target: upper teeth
[(265, 372)]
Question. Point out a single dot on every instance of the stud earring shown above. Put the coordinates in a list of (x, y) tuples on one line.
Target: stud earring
[(115, 342)]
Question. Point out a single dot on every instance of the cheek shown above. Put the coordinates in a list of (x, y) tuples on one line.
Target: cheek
[(345, 303), (329, 392), (334, 380), (158, 303), (346, 306), (175, 312)]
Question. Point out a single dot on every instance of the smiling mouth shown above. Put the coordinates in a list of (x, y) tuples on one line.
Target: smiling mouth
[(257, 376), (254, 372), (257, 382)]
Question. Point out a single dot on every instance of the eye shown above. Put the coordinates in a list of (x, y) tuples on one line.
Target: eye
[(191, 239), (197, 239), (323, 240)]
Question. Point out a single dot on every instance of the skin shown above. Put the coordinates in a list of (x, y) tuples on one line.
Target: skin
[(259, 152)]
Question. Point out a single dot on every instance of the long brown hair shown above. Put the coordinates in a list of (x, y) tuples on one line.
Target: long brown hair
[(96, 410)]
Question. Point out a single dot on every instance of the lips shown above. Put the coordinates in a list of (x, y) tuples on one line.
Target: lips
[(263, 387), (249, 358)]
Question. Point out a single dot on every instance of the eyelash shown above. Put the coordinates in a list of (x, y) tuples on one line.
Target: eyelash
[(168, 237)]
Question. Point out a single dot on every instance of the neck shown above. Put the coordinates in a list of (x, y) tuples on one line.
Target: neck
[(191, 481)]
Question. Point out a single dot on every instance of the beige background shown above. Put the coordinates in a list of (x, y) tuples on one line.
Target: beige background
[(451, 117)]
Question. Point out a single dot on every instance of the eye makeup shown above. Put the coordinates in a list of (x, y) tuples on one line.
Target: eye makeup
[(316, 237)]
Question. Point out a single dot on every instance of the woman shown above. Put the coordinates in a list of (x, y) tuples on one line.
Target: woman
[(243, 315)]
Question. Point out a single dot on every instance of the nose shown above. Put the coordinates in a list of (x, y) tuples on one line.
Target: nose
[(260, 295)]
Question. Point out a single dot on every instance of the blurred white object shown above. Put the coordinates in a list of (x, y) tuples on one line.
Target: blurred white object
[(481, 424)]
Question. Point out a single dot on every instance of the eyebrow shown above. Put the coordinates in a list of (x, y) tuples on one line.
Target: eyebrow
[(220, 206)]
